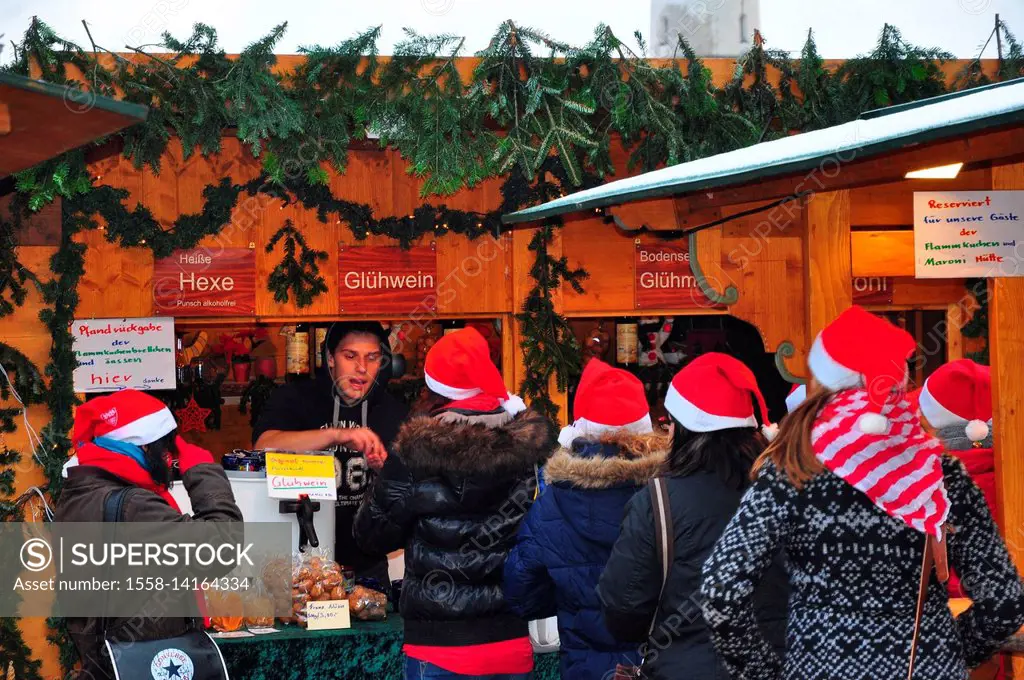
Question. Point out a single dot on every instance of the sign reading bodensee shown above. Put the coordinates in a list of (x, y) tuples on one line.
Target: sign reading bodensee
[(959, 234), (115, 354), (664, 279)]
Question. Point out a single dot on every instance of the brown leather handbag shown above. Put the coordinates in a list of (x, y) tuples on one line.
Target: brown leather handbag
[(934, 555), (664, 539)]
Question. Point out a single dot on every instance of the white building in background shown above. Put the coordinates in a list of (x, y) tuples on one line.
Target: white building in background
[(714, 28)]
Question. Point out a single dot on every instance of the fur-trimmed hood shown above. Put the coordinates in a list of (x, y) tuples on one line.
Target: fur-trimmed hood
[(472, 445), (636, 459)]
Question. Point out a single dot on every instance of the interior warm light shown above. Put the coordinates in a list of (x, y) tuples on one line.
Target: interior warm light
[(938, 172)]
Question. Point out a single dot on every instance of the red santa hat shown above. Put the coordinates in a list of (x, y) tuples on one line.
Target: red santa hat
[(959, 393), (861, 350), (795, 397), (607, 399), (128, 416), (713, 392), (459, 367)]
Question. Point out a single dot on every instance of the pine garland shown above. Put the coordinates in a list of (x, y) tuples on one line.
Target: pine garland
[(300, 274)]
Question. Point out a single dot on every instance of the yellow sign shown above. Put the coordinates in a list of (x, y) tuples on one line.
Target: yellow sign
[(328, 615), (290, 475)]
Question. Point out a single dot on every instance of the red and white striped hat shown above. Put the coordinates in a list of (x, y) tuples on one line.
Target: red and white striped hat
[(459, 366), (607, 399), (713, 392), (861, 350), (959, 393), (128, 416), (795, 397)]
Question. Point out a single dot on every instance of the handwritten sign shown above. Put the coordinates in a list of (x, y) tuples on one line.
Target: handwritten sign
[(292, 475), (115, 354), (328, 615), (664, 278), (873, 290), (206, 282), (386, 279), (968, 234)]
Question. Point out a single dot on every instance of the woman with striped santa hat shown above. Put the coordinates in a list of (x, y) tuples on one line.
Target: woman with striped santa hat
[(864, 503), (719, 422)]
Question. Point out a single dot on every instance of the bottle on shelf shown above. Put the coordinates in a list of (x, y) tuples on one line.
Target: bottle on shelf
[(297, 353), (451, 325), (626, 344), (319, 339)]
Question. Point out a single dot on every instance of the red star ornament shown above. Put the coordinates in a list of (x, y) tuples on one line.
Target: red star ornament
[(192, 417)]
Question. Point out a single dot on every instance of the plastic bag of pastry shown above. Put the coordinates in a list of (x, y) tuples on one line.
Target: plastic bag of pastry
[(367, 604), (315, 578)]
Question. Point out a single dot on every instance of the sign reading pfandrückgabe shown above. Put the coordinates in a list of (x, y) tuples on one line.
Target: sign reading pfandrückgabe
[(960, 234)]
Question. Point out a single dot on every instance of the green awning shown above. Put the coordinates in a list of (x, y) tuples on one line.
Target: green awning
[(47, 120)]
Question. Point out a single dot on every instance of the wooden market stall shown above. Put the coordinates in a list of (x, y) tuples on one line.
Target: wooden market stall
[(788, 233)]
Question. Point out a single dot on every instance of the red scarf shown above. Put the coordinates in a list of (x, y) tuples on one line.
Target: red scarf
[(124, 468), (900, 471), (481, 403)]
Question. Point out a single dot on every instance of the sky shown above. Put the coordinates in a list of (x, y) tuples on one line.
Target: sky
[(842, 28)]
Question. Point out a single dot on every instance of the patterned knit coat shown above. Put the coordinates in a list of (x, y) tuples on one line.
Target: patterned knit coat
[(854, 574)]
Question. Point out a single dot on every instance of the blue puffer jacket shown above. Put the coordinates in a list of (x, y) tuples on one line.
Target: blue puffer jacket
[(566, 540)]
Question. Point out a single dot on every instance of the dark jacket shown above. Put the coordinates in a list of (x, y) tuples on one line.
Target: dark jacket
[(855, 575), (82, 500), (452, 494), (566, 540), (309, 405), (680, 647)]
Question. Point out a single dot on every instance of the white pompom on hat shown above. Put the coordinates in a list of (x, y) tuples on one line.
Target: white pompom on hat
[(862, 350), (713, 392), (459, 366), (959, 394)]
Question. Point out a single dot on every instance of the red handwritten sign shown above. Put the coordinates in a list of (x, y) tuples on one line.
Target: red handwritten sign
[(206, 282), (387, 279), (664, 279), (873, 290)]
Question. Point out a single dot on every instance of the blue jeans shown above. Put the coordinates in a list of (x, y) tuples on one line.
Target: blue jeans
[(421, 670)]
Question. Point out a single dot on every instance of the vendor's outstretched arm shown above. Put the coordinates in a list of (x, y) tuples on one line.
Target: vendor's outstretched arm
[(301, 440)]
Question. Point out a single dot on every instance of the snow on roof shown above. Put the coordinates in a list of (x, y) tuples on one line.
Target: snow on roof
[(873, 133)]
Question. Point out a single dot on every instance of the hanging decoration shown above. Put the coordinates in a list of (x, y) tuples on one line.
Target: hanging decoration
[(299, 273), (192, 417)]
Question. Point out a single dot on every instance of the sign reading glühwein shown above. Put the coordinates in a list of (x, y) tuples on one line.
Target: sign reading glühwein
[(664, 279), (387, 279), (873, 290), (206, 282)]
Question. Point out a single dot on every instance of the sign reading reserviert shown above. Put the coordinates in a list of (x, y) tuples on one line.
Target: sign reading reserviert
[(387, 279), (115, 354), (206, 282), (968, 234), (664, 278)]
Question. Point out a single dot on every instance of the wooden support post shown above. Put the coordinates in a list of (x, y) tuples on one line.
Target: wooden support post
[(522, 262), (954, 334), (1006, 354), (828, 265)]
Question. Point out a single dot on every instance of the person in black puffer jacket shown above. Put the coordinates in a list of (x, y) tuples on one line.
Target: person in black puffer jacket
[(715, 443), (452, 494)]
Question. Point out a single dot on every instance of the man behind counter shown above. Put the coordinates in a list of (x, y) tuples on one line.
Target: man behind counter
[(345, 409)]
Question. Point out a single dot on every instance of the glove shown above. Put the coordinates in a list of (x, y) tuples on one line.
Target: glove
[(190, 455)]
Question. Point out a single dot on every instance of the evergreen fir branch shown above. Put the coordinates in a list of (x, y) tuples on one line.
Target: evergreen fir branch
[(27, 381), (895, 72), (13, 275), (299, 274)]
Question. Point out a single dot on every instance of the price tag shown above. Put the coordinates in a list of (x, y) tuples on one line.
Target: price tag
[(292, 475), (328, 615)]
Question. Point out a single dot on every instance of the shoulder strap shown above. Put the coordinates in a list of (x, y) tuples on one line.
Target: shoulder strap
[(934, 555), (113, 505), (664, 535)]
